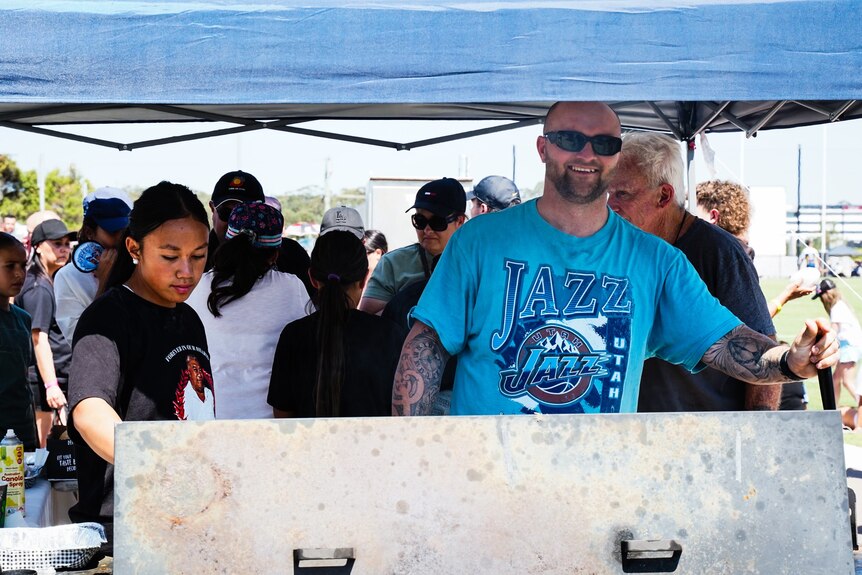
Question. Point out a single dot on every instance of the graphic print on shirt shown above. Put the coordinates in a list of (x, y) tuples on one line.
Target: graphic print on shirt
[(563, 339), (195, 395)]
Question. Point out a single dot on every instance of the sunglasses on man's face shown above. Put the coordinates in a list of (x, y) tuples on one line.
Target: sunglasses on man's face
[(224, 210), (436, 223), (572, 141)]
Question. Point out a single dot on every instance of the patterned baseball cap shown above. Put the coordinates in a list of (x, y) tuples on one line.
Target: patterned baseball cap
[(261, 222)]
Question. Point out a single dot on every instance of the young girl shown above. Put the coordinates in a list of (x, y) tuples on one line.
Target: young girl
[(138, 348), (244, 303), (51, 248), (16, 401), (338, 361)]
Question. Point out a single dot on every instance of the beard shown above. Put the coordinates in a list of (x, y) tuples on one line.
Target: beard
[(572, 190)]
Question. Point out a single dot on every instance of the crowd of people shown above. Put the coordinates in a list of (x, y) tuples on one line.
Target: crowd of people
[(603, 295)]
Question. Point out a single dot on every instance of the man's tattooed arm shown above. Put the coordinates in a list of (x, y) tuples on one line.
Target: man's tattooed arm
[(747, 355), (419, 372)]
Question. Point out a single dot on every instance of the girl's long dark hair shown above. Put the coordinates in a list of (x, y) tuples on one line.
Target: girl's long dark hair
[(158, 204), (337, 262), (375, 240), (35, 265), (237, 258)]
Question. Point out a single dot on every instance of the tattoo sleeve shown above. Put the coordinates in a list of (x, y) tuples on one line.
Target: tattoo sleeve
[(419, 372), (747, 355)]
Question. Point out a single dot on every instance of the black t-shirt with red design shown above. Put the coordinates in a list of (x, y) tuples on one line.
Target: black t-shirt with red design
[(149, 363)]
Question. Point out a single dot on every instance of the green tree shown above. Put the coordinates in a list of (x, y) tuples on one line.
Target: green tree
[(302, 207), (18, 189), (349, 197), (64, 192)]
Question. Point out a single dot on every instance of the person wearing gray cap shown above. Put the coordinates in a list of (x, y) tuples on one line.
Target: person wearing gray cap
[(492, 194), (440, 210), (344, 219)]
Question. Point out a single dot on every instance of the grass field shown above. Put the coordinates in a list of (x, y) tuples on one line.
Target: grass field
[(789, 322)]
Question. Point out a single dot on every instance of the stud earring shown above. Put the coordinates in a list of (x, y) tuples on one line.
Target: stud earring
[(135, 261)]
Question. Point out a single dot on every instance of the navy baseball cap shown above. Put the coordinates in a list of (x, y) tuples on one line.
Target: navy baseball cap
[(109, 208), (441, 197), (238, 186), (496, 191)]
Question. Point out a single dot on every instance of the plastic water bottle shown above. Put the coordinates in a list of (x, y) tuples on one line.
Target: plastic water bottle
[(12, 471)]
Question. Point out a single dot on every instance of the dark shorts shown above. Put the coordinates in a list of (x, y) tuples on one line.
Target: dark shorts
[(793, 396), (37, 387)]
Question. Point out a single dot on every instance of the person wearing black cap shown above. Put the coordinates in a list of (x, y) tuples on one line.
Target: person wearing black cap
[(240, 187), (51, 248), (440, 210), (553, 305), (492, 194), (846, 325)]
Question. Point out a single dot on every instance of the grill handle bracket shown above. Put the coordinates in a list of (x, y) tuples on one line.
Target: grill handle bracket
[(650, 555)]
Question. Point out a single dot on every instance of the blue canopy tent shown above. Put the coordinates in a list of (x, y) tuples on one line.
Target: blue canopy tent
[(672, 65)]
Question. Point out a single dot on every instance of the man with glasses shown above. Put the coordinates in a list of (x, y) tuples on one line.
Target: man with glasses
[(240, 187), (553, 305), (440, 210), (647, 189)]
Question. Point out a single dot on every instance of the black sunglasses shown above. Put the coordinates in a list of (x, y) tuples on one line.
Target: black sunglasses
[(572, 141), (225, 208), (437, 223)]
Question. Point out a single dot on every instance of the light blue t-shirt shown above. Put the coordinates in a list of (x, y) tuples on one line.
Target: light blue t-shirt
[(546, 322)]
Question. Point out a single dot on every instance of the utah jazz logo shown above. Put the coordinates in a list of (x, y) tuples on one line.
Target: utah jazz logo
[(555, 366)]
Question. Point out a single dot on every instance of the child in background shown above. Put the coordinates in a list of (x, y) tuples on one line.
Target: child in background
[(16, 401), (849, 335)]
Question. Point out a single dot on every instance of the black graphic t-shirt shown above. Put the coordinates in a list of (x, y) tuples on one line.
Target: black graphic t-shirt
[(148, 362), (372, 349)]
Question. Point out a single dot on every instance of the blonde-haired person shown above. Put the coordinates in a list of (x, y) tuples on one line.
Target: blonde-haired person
[(849, 333), (726, 204)]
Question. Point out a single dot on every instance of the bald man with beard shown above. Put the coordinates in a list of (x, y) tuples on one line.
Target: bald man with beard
[(552, 306)]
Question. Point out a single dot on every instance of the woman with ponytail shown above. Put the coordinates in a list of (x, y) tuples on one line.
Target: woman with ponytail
[(139, 352), (338, 361), (51, 350), (244, 302)]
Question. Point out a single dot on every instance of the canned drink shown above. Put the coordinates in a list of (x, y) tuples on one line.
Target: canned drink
[(86, 256)]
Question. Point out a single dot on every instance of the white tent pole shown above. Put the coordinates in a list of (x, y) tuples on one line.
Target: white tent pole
[(41, 182), (691, 182), (823, 247)]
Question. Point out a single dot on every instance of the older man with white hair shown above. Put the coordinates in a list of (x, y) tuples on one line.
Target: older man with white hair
[(647, 189)]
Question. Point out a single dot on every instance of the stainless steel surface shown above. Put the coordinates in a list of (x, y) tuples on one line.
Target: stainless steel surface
[(741, 493)]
